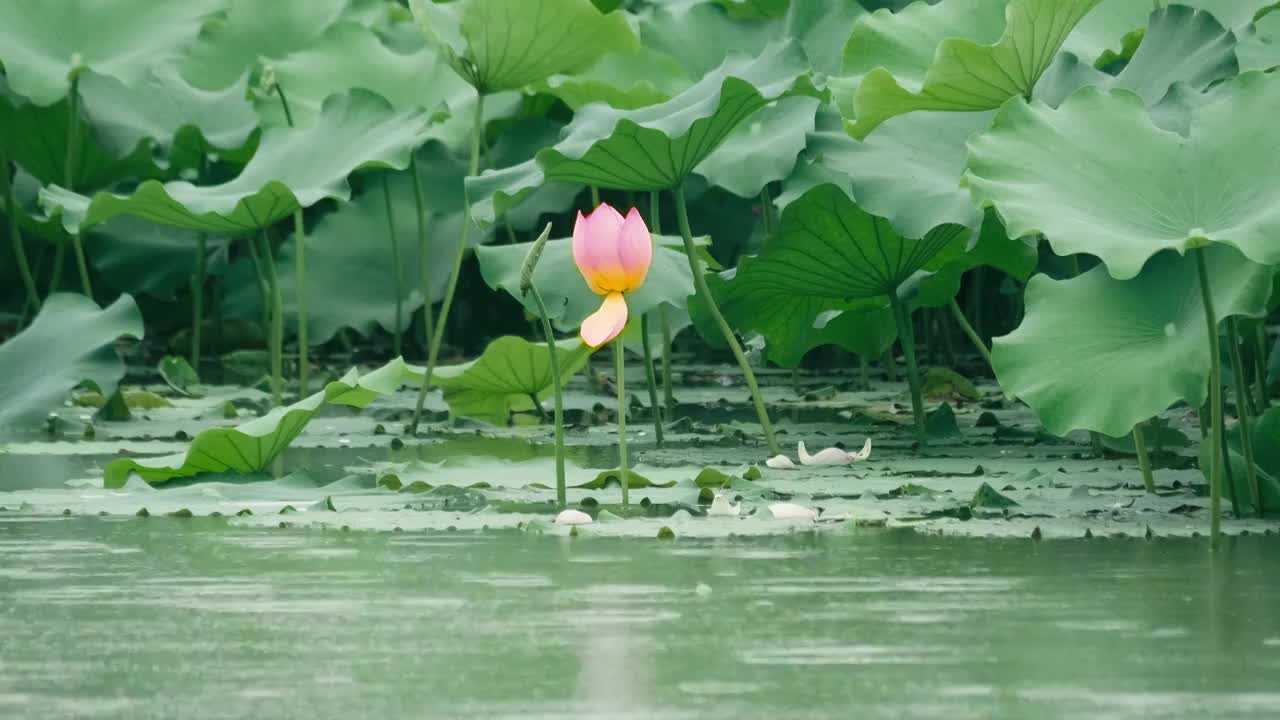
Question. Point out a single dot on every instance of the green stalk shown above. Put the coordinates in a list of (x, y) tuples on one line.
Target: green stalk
[(668, 393), (864, 371), (1095, 438), (1144, 459), (1260, 360), (300, 292), (906, 334), (73, 147), (442, 320), (424, 262), (264, 290), (595, 197), (559, 397), (766, 216), (620, 368), (969, 332), (277, 320), (1243, 401), (890, 362), (197, 303), (1215, 403), (700, 285), (19, 250), (399, 273), (651, 378)]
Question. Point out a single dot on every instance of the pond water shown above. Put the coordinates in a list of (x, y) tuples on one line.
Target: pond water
[(199, 618)]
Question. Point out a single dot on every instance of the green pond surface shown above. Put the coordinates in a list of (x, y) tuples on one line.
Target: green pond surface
[(117, 617)]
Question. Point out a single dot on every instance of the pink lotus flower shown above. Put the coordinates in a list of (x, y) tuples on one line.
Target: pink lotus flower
[(613, 254)]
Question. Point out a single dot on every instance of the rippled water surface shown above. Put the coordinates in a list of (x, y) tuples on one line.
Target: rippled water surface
[(169, 618)]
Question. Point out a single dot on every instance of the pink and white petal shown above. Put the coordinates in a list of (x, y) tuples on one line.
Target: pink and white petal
[(605, 222), (635, 249), (606, 323), (595, 258)]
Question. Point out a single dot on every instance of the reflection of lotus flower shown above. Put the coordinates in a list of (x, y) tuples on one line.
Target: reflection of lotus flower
[(613, 253), (830, 456)]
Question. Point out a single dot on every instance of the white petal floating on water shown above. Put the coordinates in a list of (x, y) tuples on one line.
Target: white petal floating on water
[(834, 455), (720, 505), (791, 511), (781, 462), (573, 517)]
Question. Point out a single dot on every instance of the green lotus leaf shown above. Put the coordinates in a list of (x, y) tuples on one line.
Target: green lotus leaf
[(35, 138), (252, 446), (355, 130), (793, 324), (68, 342), (252, 32), (42, 44), (822, 27), (626, 79), (517, 145), (943, 57), (158, 108), (350, 248), (656, 147), (696, 33), (1042, 169), (508, 44), (1181, 45), (992, 248), (1097, 353), (755, 9), (1259, 47), (349, 55), (763, 149), (1265, 432), (507, 377), (1115, 26), (564, 291), (144, 258)]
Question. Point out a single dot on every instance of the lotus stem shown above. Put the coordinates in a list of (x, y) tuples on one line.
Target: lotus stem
[(264, 290), (19, 250), (300, 272), (651, 379), (1260, 362), (1144, 458), (424, 263), (1243, 400), (277, 321), (704, 292), (69, 177), (433, 350), (397, 273), (766, 216), (890, 362), (905, 332), (1215, 404), (668, 393), (197, 303), (864, 371), (620, 368), (595, 197), (557, 394), (969, 332)]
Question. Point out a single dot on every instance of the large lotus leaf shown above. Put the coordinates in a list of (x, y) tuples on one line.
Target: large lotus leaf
[(508, 44), (159, 107), (350, 56), (1097, 176), (827, 247), (143, 258), (697, 33), (755, 9), (35, 138), (992, 248), (822, 27), (42, 43), (564, 291), (292, 168), (1102, 354), (627, 79), (253, 31), (1180, 45), (350, 265), (69, 341), (763, 149), (1259, 47), (942, 57), (1265, 432), (656, 147), (252, 446), (508, 376), (753, 298), (516, 146), (1116, 24)]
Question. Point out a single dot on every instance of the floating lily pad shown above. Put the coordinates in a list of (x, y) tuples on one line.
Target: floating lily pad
[(510, 374)]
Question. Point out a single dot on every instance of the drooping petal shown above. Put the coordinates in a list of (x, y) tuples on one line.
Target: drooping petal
[(635, 250), (781, 462), (606, 323)]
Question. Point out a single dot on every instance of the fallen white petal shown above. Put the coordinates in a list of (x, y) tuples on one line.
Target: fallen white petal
[(833, 455), (573, 517), (791, 511), (720, 505), (781, 462)]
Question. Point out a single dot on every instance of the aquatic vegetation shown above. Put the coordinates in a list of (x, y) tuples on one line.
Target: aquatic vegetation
[(325, 208)]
